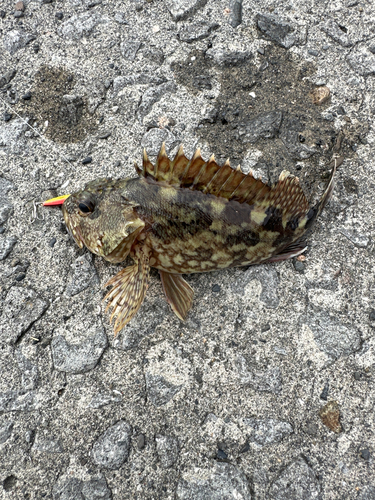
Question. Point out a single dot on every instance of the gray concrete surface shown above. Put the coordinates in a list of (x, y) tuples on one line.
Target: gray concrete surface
[(267, 390)]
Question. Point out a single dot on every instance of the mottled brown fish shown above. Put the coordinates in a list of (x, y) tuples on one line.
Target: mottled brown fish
[(186, 216)]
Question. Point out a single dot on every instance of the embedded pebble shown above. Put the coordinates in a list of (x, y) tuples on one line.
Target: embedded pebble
[(296, 482), (333, 30), (279, 30), (78, 358), (79, 25), (192, 32), (84, 276), (265, 431), (268, 380), (180, 9), (111, 449), (6, 206), (6, 246), (167, 449), (221, 481), (320, 95), (330, 416), (22, 307), (331, 335), (72, 488), (15, 40), (5, 432)]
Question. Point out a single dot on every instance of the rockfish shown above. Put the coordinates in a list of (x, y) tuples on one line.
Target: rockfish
[(186, 216)]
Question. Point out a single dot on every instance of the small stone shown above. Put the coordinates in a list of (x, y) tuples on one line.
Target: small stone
[(277, 30), (192, 32), (15, 40), (296, 482), (78, 358), (362, 59), (87, 160), (52, 242), (46, 2), (331, 335), (299, 266), (18, 13), (222, 481), (120, 18), (104, 135), (7, 116), (159, 390), (112, 448), (261, 51), (20, 6), (360, 240), (320, 95), (265, 431), (357, 375), (365, 454), (154, 138), (47, 444), (263, 126), (141, 441), (153, 95), (260, 380), (72, 488), (20, 277), (334, 31), (6, 207), (5, 432), (129, 48), (330, 416), (167, 450), (79, 25), (324, 394), (84, 276), (181, 9), (2, 14), (221, 455), (216, 288), (6, 246), (9, 483), (235, 18), (104, 399), (59, 16), (372, 315), (313, 52)]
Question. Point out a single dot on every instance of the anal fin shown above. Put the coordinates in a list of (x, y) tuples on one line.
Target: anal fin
[(293, 250), (178, 292), (128, 291)]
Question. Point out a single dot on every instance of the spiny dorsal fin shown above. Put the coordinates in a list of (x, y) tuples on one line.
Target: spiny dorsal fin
[(225, 181)]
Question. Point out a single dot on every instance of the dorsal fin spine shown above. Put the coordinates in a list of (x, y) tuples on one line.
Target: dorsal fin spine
[(214, 177), (227, 181)]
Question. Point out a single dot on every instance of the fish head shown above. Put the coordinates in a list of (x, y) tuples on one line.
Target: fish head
[(101, 219)]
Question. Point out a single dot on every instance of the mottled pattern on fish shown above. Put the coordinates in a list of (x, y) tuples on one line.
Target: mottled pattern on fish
[(187, 216)]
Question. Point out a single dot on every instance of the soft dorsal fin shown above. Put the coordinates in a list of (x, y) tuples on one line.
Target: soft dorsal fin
[(225, 181)]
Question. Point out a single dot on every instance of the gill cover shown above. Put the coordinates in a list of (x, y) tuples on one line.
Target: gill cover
[(102, 220)]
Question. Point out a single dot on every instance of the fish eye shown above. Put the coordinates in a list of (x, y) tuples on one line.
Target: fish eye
[(86, 205)]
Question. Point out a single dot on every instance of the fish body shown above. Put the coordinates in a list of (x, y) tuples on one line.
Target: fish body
[(186, 216)]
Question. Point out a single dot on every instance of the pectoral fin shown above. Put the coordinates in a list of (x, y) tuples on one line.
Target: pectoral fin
[(129, 288), (178, 292)]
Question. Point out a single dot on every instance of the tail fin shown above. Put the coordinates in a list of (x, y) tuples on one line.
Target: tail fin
[(315, 211)]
